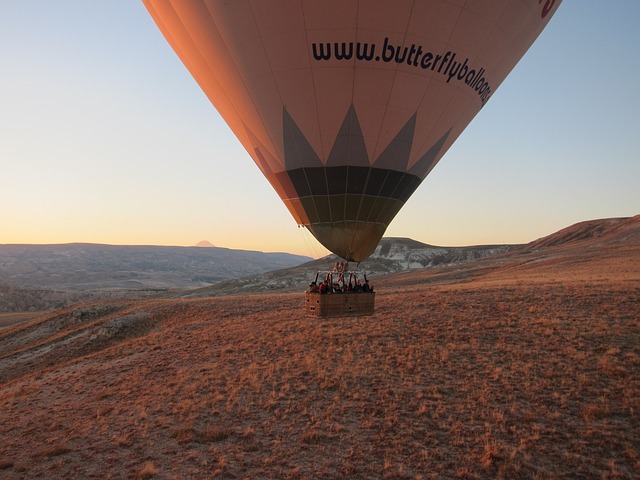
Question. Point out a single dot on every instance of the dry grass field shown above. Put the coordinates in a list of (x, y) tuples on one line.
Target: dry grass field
[(7, 319), (523, 367)]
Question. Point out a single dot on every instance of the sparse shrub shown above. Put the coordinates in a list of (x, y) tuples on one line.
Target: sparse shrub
[(594, 411), (312, 437), (209, 434), (122, 440), (214, 433), (55, 451), (184, 435), (148, 470)]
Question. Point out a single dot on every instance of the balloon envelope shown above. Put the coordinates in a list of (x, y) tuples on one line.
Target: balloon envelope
[(346, 105)]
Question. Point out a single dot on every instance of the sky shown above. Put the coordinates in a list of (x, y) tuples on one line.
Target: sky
[(106, 138)]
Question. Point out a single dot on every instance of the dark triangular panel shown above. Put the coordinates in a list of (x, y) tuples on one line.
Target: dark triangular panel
[(426, 162), (396, 155), (297, 150), (349, 147)]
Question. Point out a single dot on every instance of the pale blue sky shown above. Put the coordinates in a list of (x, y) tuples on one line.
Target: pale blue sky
[(106, 138)]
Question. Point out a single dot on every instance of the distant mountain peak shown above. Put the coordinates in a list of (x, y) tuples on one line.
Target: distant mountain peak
[(204, 243)]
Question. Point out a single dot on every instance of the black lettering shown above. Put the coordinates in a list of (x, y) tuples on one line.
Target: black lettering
[(404, 50), (418, 55), (446, 56), (463, 69), (345, 53), (319, 52), (446, 64), (469, 78), (453, 72), (425, 62), (365, 54), (412, 52), (438, 57), (446, 70), (479, 77), (385, 48), (485, 96)]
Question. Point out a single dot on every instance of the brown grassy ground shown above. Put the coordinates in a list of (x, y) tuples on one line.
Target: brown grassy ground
[(529, 369), (11, 318)]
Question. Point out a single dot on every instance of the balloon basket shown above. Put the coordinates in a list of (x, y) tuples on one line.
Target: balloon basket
[(341, 294), (339, 304)]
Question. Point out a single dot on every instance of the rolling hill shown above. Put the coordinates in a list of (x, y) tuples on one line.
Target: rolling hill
[(93, 267), (524, 364), (40, 277), (391, 256), (412, 260)]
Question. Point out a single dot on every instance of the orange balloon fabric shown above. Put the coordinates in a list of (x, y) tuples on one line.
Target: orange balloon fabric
[(345, 105)]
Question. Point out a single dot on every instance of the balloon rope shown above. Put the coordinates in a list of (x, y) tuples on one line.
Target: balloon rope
[(313, 249)]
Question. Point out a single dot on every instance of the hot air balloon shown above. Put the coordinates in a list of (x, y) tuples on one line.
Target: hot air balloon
[(347, 105)]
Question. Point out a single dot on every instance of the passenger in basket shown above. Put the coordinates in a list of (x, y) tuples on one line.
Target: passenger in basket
[(313, 288)]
